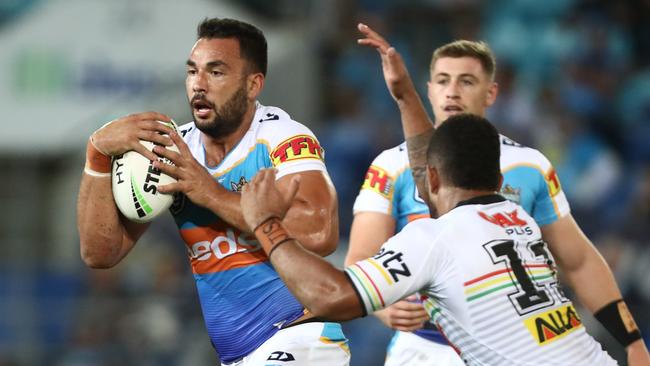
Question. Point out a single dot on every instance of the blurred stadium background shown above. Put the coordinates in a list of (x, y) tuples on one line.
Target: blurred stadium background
[(575, 83)]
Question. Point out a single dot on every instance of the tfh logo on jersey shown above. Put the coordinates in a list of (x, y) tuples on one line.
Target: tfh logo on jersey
[(296, 148), (553, 183), (392, 261), (553, 324), (378, 180)]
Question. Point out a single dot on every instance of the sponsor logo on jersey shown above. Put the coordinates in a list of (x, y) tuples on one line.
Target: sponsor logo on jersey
[(378, 180), (217, 248), (511, 193), (393, 263), (297, 148), (281, 356), (237, 186), (504, 219), (554, 324), (553, 182), (270, 117), (509, 142)]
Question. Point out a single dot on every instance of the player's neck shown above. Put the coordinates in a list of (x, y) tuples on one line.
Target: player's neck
[(449, 197), (216, 148)]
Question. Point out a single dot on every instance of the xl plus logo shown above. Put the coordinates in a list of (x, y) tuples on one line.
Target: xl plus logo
[(393, 263), (508, 220)]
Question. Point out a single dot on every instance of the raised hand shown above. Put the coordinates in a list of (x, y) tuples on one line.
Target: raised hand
[(395, 73), (261, 199), (125, 133)]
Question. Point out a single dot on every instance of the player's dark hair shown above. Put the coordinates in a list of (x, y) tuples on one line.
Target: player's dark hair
[(252, 43), (466, 151)]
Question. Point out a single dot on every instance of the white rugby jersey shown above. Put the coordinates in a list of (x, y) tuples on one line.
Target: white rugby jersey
[(489, 283), (529, 179)]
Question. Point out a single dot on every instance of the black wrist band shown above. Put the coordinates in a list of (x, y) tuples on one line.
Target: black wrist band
[(276, 246), (618, 320)]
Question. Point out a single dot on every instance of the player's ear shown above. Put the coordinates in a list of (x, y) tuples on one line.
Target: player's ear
[(433, 180), (500, 182), (254, 84), (492, 92)]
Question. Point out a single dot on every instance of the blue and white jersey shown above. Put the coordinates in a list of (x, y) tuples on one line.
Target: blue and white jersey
[(389, 188), (529, 180), (243, 299)]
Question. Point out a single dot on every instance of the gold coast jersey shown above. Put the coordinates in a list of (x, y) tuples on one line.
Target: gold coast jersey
[(243, 299)]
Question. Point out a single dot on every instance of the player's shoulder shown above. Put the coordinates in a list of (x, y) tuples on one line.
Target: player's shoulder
[(393, 160), (275, 125), (515, 154), (422, 228)]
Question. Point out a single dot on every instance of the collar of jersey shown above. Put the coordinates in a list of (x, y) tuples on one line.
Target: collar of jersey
[(482, 200)]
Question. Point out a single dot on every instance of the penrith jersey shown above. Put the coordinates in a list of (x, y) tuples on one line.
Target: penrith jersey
[(529, 179), (244, 301), (489, 283)]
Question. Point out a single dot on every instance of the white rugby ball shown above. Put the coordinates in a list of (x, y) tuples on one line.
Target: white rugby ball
[(136, 181)]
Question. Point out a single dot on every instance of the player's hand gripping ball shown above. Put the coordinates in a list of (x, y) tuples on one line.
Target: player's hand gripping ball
[(136, 181)]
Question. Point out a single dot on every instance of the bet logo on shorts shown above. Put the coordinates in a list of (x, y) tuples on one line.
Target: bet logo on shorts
[(135, 184)]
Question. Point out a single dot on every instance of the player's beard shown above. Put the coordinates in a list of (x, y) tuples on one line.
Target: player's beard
[(227, 118)]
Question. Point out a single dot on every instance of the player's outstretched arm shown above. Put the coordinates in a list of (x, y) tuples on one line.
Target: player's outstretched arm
[(105, 235), (369, 231), (416, 125), (312, 217), (318, 285), (593, 282)]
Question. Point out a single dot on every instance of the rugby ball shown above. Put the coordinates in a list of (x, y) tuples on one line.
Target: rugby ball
[(135, 184)]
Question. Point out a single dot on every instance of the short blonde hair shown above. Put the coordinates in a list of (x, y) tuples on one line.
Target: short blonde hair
[(464, 48)]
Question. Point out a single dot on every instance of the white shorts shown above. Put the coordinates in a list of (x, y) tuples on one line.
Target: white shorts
[(409, 349), (308, 344)]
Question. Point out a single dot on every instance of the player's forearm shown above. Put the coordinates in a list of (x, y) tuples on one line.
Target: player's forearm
[(98, 222), (637, 353), (316, 227), (415, 120), (417, 151), (318, 285), (226, 205), (418, 129)]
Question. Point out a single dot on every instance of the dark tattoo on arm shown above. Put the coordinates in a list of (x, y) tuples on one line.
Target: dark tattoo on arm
[(417, 150)]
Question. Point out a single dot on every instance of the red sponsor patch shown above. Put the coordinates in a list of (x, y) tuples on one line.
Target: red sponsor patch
[(553, 182), (504, 219), (296, 148), (378, 180)]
